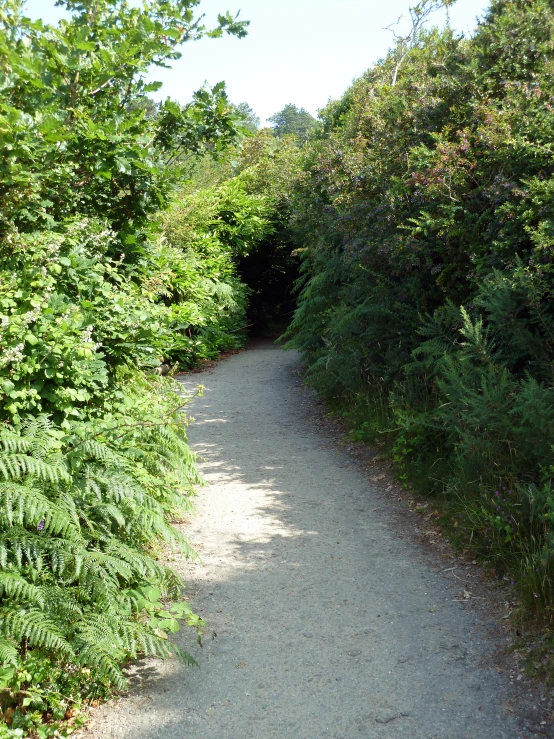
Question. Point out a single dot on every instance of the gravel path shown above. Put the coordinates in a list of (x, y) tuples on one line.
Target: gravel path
[(323, 621)]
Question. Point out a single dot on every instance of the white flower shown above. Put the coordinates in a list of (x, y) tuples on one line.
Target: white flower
[(12, 355)]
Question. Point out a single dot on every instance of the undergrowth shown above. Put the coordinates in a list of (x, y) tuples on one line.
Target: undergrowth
[(83, 517)]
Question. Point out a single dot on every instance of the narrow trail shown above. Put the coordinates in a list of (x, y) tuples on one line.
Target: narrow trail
[(323, 621)]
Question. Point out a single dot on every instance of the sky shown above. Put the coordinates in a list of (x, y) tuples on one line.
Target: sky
[(298, 51)]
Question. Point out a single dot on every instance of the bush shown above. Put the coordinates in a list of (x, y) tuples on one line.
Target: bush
[(94, 461), (425, 302), (82, 517), (206, 233)]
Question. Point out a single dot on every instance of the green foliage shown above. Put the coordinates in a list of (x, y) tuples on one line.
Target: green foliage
[(227, 255), (69, 316), (293, 121), (81, 517), (206, 232), (512, 527), (81, 506), (425, 301), (77, 137), (94, 462), (249, 120), (39, 686), (270, 167)]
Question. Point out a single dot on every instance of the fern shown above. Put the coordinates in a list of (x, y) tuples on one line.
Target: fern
[(33, 625), (78, 527), (8, 652), (15, 587)]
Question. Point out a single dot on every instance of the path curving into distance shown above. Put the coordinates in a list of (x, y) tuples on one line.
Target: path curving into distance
[(323, 620)]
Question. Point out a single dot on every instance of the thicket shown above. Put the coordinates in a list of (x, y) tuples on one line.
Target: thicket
[(270, 167), (110, 268), (424, 214), (259, 176)]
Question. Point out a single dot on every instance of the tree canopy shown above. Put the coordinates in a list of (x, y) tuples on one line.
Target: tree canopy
[(77, 132), (248, 118), (293, 121)]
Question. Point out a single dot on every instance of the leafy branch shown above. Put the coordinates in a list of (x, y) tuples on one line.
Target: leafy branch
[(419, 15)]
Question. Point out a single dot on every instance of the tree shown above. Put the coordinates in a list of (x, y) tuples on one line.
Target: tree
[(419, 15), (77, 132), (248, 118), (293, 121)]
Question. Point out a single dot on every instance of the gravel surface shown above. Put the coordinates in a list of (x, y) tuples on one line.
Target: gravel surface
[(323, 619)]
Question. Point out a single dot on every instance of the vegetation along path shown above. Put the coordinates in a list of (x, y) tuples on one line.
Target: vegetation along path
[(322, 621)]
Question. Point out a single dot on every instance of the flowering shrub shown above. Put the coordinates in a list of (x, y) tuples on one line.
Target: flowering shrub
[(94, 459), (68, 317)]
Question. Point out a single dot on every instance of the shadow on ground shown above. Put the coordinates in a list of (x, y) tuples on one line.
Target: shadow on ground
[(322, 620)]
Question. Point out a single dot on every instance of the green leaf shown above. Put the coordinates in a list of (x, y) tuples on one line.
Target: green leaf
[(152, 87), (6, 676), (152, 593)]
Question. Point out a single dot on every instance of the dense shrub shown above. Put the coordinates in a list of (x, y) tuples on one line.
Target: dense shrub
[(82, 518), (206, 233), (232, 221), (270, 167), (94, 461), (425, 308)]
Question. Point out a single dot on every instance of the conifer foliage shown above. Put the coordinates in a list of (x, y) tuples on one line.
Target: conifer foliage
[(425, 223)]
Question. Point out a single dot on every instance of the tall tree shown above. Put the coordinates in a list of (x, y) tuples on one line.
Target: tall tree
[(293, 121)]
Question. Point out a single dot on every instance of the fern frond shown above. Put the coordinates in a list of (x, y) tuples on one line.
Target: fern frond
[(8, 651), (32, 624), (14, 466), (93, 450), (26, 505), (105, 665), (14, 586)]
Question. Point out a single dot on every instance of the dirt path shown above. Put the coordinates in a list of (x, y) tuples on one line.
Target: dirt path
[(322, 620)]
